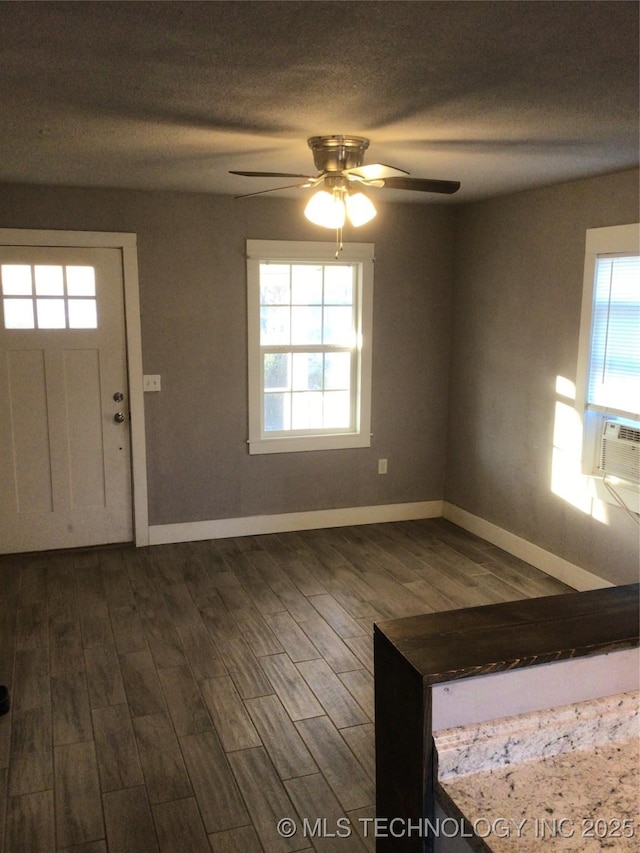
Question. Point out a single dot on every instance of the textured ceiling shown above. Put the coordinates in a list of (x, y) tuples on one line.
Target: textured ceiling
[(171, 95)]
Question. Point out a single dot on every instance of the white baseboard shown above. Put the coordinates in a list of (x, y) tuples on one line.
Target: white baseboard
[(550, 563), (223, 528)]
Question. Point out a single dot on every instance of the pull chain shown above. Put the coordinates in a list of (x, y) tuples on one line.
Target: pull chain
[(339, 245)]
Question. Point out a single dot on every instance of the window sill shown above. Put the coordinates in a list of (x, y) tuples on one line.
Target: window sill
[(629, 492), (297, 444)]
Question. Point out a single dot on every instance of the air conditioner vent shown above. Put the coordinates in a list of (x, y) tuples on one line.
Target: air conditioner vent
[(620, 451), (629, 433)]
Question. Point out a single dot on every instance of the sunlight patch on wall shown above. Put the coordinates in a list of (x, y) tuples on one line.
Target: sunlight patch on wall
[(565, 387), (567, 479)]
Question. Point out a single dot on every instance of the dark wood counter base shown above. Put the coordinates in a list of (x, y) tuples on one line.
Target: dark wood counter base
[(414, 653)]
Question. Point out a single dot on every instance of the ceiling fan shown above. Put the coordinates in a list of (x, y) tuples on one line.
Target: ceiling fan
[(341, 178)]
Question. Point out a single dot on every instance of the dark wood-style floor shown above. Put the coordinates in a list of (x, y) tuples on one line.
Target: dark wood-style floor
[(187, 697)]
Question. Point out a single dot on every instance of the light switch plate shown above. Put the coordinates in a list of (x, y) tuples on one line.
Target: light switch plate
[(151, 382)]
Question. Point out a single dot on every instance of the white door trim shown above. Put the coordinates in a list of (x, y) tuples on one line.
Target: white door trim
[(127, 243)]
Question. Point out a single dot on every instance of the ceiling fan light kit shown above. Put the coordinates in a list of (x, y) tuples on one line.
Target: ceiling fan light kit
[(341, 176), (331, 207), (326, 209), (360, 209)]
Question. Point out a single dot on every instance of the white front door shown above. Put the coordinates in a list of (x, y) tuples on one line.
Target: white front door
[(65, 460)]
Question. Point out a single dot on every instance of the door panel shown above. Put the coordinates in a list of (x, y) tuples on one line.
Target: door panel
[(27, 398), (65, 478), (84, 428)]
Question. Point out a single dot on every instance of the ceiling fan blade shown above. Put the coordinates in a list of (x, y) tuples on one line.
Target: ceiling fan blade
[(422, 185), (275, 190), (374, 171), (270, 175)]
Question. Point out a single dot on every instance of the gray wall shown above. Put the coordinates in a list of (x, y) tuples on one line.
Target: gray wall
[(517, 294), (191, 250), (513, 268)]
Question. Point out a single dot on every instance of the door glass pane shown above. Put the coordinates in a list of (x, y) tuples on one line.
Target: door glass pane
[(18, 314), (276, 371), (306, 284), (16, 280), (307, 371), (50, 313), (337, 371), (81, 281), (307, 410), (82, 314), (306, 325), (48, 280), (338, 285)]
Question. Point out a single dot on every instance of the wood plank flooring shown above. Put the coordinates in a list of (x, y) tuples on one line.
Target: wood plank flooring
[(187, 697)]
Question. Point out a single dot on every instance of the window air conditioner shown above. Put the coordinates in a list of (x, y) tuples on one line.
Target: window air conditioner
[(620, 451)]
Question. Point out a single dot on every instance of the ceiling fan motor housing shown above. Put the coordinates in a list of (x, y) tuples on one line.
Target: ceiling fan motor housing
[(335, 153)]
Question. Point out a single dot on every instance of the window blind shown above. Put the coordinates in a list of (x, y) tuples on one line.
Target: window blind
[(614, 363)]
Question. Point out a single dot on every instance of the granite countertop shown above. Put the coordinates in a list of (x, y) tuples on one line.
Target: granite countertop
[(566, 778)]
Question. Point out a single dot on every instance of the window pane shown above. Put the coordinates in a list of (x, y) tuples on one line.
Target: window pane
[(18, 314), (306, 284), (306, 325), (274, 284), (82, 314), (16, 280), (337, 410), (614, 369), (48, 280), (50, 313), (307, 371), (277, 412), (337, 371), (276, 371), (338, 326), (338, 285), (307, 410), (81, 281), (274, 326)]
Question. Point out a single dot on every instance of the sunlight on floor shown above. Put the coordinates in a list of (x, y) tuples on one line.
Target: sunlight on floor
[(567, 479)]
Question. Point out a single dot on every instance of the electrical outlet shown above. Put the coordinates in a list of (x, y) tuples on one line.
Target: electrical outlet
[(382, 466), (151, 382)]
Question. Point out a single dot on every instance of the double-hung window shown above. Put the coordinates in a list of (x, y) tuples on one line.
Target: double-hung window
[(309, 322), (609, 358)]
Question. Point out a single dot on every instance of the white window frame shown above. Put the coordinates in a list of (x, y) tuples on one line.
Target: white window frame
[(617, 239), (288, 251)]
